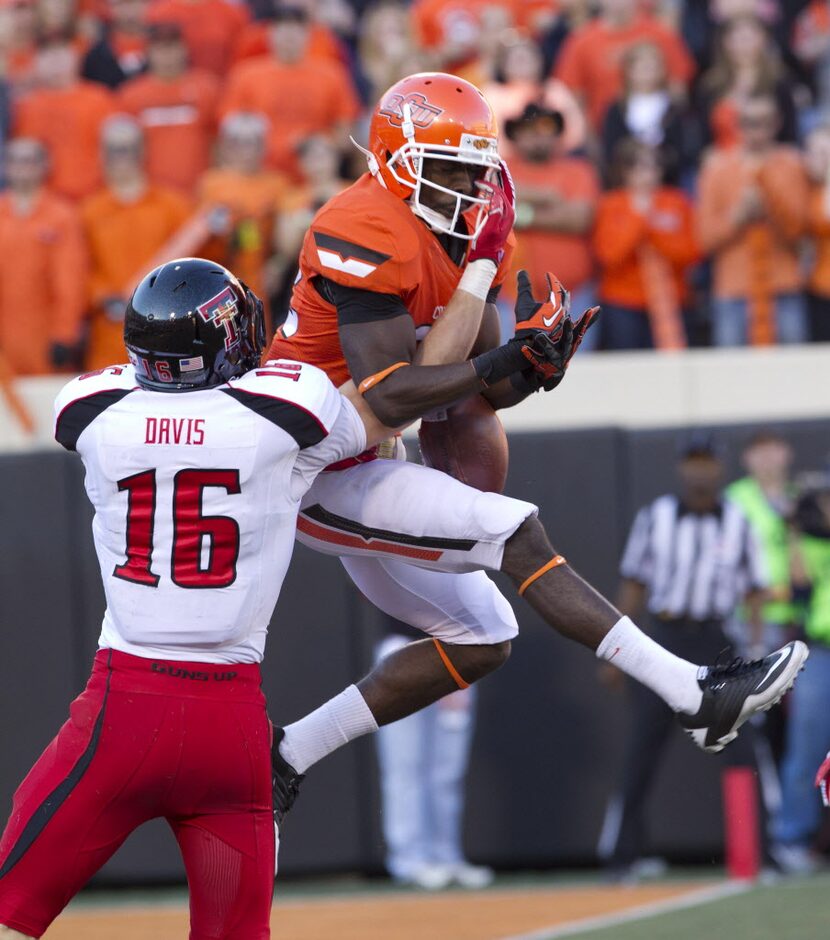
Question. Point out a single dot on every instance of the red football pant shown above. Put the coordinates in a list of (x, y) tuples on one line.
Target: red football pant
[(147, 738)]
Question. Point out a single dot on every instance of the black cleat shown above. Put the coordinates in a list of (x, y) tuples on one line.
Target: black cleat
[(735, 692), (285, 781)]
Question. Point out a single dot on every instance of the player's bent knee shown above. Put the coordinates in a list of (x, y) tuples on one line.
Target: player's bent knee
[(480, 661)]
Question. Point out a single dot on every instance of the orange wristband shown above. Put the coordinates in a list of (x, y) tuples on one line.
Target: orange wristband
[(371, 380), (555, 562)]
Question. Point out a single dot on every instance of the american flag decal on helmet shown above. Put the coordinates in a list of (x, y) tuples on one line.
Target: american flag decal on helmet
[(221, 311), (423, 113)]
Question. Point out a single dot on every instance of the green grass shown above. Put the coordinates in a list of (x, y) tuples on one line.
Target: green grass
[(789, 910)]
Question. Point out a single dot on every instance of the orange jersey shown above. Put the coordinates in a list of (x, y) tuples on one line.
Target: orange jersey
[(178, 118), (68, 122), (369, 239), (43, 273)]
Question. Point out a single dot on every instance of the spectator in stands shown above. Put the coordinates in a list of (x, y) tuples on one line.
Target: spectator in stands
[(520, 79), (245, 198), (176, 105), (120, 52), (18, 31), (556, 198), (752, 212), (423, 765), (817, 159), (648, 112), (43, 267), (747, 63), (387, 50), (66, 113), (127, 225), (645, 243), (808, 723), (254, 41), (591, 58), (667, 570), (211, 29), (314, 95), (320, 165)]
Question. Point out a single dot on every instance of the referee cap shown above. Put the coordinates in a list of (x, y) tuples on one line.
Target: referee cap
[(699, 443)]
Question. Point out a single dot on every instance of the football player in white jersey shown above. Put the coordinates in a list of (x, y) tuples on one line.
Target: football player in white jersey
[(196, 497)]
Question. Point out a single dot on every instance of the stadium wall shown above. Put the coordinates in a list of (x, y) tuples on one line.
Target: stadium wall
[(549, 737)]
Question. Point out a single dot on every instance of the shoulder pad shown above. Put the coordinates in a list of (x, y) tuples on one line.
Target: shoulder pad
[(295, 396)]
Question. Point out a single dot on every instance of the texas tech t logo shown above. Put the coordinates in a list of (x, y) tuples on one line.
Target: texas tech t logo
[(423, 113), (221, 311)]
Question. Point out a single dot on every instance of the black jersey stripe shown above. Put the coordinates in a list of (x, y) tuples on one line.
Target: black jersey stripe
[(77, 416), (47, 809), (347, 249), (302, 425), (333, 521)]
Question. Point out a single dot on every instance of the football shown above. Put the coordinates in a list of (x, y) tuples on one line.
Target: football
[(468, 442)]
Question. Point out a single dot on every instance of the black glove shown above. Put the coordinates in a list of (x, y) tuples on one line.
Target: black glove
[(546, 358)]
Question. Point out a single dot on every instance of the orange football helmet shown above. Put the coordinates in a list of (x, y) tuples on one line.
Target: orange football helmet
[(440, 117)]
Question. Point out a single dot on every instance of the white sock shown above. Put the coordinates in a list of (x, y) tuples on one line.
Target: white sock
[(342, 719), (672, 678)]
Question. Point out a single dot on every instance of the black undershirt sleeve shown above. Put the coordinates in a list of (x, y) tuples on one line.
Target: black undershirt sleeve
[(493, 293), (359, 306)]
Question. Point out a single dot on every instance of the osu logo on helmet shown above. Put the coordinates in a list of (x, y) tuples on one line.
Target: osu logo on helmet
[(423, 113)]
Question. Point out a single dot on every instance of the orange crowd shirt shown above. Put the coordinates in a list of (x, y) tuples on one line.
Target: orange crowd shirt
[(123, 237), (818, 225), (783, 183), (210, 27), (179, 120), (43, 281), (308, 97), (568, 256), (68, 121), (591, 60), (253, 201), (621, 231), (322, 43)]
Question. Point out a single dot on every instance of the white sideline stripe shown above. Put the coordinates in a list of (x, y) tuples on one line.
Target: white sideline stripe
[(641, 912)]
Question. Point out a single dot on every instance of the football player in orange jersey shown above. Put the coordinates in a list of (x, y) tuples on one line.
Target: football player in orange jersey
[(426, 233)]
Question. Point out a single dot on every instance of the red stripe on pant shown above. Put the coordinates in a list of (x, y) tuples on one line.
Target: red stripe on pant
[(189, 742), (347, 540)]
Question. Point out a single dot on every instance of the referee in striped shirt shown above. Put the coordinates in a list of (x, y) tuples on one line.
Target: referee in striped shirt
[(690, 560)]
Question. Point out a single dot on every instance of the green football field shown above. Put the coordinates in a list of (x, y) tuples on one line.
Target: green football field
[(790, 910)]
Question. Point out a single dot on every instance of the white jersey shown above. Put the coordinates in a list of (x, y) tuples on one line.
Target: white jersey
[(196, 496)]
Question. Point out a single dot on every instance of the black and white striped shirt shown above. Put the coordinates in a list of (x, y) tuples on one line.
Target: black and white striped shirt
[(694, 566)]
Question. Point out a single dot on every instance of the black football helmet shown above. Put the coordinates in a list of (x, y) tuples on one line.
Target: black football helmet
[(192, 324)]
